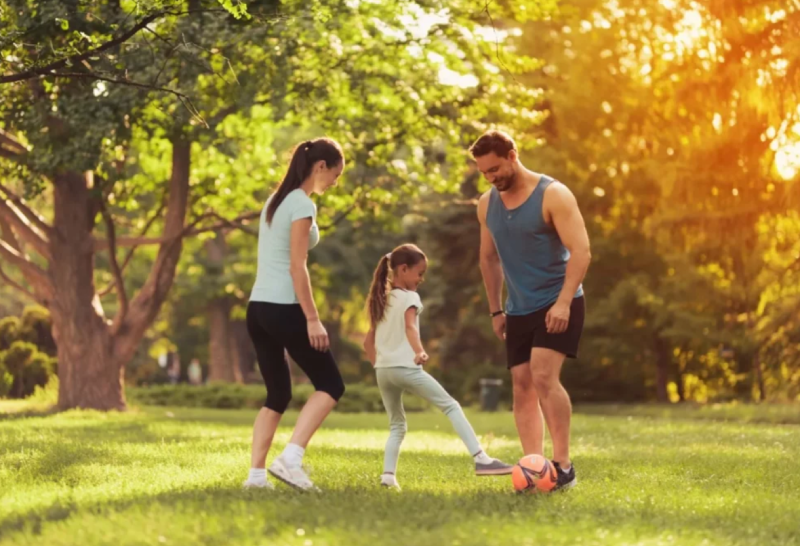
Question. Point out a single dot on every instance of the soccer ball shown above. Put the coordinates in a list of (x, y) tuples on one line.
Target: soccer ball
[(532, 473)]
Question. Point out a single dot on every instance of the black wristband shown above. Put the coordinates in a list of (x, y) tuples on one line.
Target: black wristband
[(500, 312)]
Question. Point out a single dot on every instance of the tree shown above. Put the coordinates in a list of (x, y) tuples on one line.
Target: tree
[(667, 117), (114, 160), (776, 326)]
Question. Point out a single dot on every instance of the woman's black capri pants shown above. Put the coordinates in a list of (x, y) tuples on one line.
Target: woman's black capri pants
[(274, 327)]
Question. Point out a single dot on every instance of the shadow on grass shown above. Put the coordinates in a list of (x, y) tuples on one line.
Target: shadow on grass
[(705, 500), (431, 420), (52, 448), (436, 500)]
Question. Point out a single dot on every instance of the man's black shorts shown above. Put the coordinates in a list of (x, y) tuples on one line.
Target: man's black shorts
[(524, 332)]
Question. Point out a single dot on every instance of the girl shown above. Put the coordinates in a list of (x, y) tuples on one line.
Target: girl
[(282, 316), (393, 346)]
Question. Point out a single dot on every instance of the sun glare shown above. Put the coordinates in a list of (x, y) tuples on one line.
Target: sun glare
[(786, 145), (787, 160), (693, 33)]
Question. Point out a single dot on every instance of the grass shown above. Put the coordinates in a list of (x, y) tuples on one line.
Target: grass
[(776, 414), (172, 476)]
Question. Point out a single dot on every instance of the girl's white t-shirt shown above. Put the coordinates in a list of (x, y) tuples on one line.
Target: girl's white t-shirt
[(391, 343)]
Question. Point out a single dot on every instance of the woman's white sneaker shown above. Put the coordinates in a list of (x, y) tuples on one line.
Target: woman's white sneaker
[(258, 484), (293, 476)]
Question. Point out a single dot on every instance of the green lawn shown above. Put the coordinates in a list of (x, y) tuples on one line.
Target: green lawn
[(744, 413), (172, 476)]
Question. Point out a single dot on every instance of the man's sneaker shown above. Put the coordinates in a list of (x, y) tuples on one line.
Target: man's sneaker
[(494, 468), (258, 484), (566, 480), (293, 476), (389, 481)]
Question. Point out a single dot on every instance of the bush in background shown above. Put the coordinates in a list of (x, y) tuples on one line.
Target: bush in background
[(27, 352), (357, 398), (6, 381), (46, 395), (28, 368)]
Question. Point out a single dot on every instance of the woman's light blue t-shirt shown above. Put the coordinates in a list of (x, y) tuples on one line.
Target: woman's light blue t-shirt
[(273, 278)]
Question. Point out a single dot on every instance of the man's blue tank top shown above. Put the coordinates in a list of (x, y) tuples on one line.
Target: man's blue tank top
[(533, 257)]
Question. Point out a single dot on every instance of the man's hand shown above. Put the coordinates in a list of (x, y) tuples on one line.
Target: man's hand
[(499, 326), (557, 318)]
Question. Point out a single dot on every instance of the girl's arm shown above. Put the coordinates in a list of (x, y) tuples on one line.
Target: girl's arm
[(369, 346), (412, 333)]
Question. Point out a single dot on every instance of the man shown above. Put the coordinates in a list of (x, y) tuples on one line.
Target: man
[(533, 235)]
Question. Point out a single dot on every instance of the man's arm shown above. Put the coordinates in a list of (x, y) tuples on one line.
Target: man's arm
[(561, 208), (491, 269)]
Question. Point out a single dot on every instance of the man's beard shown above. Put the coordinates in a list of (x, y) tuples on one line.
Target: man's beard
[(506, 183)]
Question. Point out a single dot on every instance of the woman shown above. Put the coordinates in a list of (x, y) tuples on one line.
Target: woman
[(282, 316)]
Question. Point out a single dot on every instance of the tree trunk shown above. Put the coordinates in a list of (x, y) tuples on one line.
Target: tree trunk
[(89, 377), (144, 307), (245, 350), (235, 356), (759, 372), (663, 361), (679, 384), (91, 362), (222, 353)]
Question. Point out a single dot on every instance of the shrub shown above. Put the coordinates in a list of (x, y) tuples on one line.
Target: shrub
[(47, 394), (358, 397), (35, 326), (9, 332), (6, 381), (38, 371), (27, 367)]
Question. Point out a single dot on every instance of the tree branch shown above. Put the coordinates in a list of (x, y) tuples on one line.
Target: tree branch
[(185, 100), (236, 223), (10, 155), (37, 220), (496, 38), (144, 306), (7, 234), (31, 271), (10, 142), (341, 216), (188, 231), (122, 296), (131, 252), (220, 116), (130, 83), (76, 59), (24, 229), (10, 248), (16, 257), (18, 287)]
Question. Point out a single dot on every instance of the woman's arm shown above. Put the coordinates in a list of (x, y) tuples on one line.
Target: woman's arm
[(298, 268)]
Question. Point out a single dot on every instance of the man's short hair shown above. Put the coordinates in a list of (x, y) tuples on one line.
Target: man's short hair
[(493, 141)]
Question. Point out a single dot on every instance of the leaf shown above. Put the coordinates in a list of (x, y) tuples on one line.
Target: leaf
[(237, 9)]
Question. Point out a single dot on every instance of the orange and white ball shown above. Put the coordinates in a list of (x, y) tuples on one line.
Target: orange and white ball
[(534, 472)]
